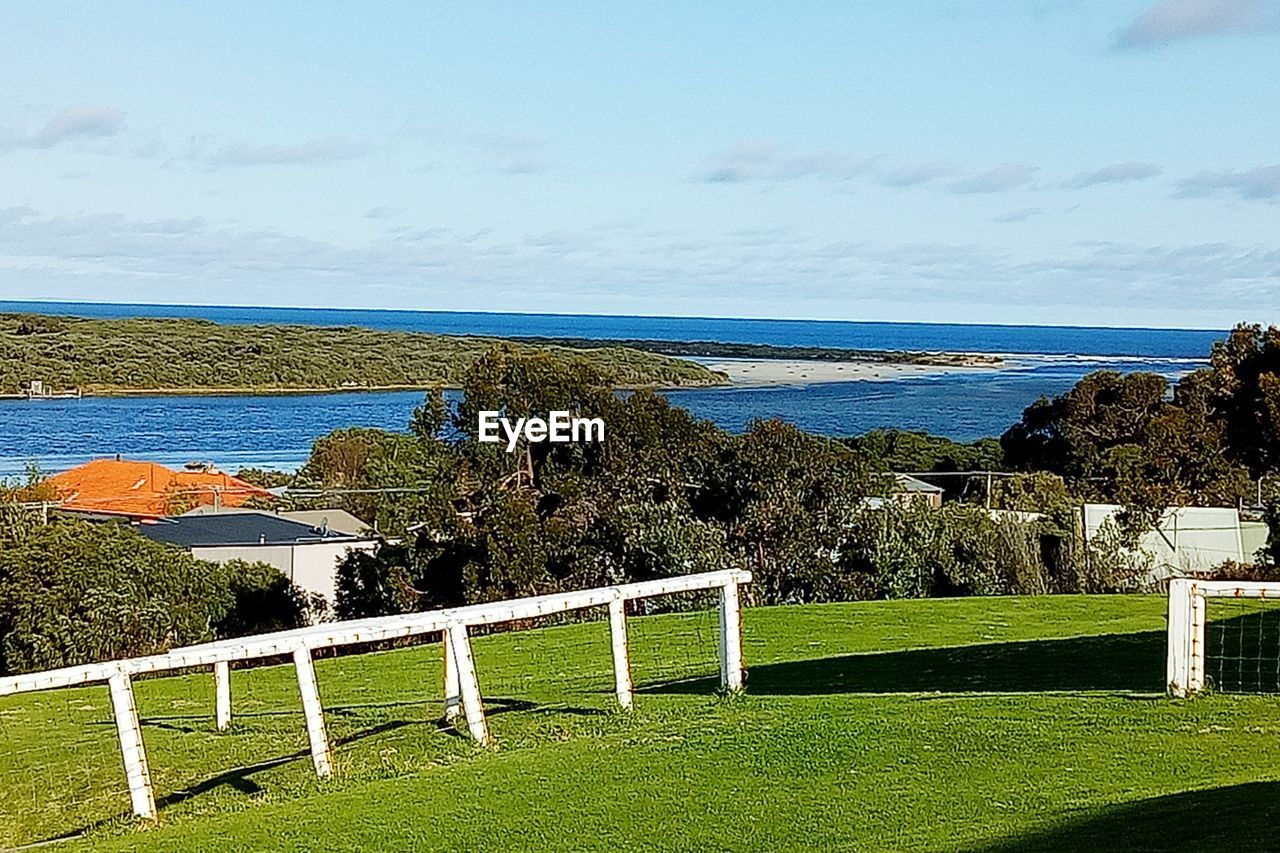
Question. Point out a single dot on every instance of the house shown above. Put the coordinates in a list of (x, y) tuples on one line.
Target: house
[(124, 487), (307, 555), (909, 491)]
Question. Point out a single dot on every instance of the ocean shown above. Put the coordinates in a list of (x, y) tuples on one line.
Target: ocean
[(277, 431)]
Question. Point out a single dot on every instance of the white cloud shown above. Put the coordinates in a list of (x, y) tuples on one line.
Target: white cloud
[(1178, 20), (1118, 173), (1003, 178), (77, 123), (916, 174), (1022, 214), (765, 162), (1261, 183)]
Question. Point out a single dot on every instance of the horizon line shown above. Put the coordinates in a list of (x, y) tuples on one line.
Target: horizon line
[(335, 308)]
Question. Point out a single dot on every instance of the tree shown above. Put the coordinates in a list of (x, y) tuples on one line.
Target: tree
[(904, 450), (389, 480), (264, 600), (72, 592), (789, 500), (1127, 439), (377, 583), (1242, 386)]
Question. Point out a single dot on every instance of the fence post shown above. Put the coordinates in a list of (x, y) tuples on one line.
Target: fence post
[(131, 748), (1195, 641), (468, 686), (1178, 666), (621, 657), (452, 688), (730, 637), (222, 694), (313, 711)]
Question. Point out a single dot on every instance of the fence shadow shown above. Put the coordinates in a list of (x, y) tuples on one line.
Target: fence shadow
[(1110, 662), (241, 778), (1236, 817)]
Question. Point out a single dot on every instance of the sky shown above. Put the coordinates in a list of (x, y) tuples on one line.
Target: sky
[(1107, 163)]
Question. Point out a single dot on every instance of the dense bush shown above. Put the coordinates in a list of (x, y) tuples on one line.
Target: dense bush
[(376, 583), (73, 592), (263, 599)]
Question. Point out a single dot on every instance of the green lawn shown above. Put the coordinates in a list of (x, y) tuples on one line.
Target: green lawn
[(970, 724)]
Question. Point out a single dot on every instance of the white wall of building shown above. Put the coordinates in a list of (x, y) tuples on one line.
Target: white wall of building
[(311, 565), (1185, 539)]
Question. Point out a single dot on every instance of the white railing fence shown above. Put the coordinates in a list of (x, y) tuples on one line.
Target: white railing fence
[(1185, 668), (461, 682)]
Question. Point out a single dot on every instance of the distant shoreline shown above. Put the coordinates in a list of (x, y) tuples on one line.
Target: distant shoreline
[(701, 351), (108, 393), (765, 372)]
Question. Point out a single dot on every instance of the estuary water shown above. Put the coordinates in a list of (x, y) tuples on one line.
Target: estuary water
[(277, 431)]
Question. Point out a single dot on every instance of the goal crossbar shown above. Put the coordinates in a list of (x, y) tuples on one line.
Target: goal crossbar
[(462, 692), (1185, 668)]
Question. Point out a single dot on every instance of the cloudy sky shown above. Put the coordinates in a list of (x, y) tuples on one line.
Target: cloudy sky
[(1042, 161)]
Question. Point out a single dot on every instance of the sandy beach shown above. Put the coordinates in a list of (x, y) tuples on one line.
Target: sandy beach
[(769, 371)]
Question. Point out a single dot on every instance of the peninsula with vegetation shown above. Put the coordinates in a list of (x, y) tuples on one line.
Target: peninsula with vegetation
[(190, 356), (774, 352)]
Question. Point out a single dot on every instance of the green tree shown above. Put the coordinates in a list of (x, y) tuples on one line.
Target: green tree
[(904, 450), (72, 592), (1128, 439), (264, 600), (1242, 386)]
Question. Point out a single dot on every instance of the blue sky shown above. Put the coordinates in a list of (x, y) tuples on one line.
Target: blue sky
[(1041, 161)]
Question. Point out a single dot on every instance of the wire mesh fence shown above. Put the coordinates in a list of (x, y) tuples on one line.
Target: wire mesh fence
[(1242, 645), (189, 737), (674, 639), (59, 764)]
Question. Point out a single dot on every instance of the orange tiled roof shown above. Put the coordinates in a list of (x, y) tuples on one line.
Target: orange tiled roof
[(146, 489)]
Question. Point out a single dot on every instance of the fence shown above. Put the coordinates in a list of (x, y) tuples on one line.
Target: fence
[(462, 689)]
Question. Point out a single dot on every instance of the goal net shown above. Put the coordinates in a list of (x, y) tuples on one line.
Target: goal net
[(1224, 636)]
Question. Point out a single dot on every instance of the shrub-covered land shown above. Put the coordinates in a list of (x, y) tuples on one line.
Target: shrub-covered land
[(74, 592), (172, 355), (721, 349)]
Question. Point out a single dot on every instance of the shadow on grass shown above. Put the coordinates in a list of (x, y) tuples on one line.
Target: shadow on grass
[(241, 778), (1237, 818), (187, 723), (1110, 662)]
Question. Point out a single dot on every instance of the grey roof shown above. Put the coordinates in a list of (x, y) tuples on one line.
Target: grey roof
[(910, 484), (236, 528), (337, 520)]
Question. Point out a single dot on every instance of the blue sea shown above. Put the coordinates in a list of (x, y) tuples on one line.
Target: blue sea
[(277, 431)]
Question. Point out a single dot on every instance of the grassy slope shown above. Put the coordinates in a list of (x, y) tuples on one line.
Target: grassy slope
[(966, 724), (197, 355)]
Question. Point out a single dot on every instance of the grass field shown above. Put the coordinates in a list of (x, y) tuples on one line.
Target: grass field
[(968, 724)]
